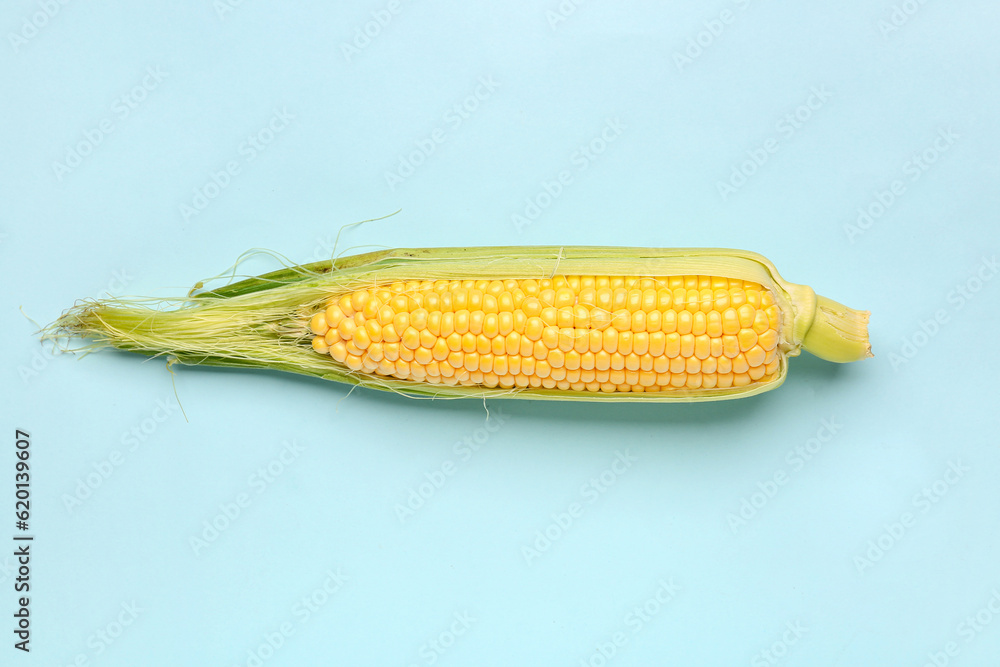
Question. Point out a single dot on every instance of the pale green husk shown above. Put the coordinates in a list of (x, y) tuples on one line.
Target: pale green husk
[(262, 322)]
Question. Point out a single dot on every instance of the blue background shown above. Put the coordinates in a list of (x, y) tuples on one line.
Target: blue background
[(845, 562)]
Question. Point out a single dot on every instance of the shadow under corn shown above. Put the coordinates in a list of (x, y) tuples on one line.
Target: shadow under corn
[(806, 374)]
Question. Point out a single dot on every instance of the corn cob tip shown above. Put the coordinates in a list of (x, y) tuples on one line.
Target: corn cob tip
[(838, 333)]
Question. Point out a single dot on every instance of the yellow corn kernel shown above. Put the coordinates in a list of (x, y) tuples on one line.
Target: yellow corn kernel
[(651, 334)]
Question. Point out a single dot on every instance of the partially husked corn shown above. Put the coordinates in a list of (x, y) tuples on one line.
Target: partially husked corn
[(580, 333), (560, 323)]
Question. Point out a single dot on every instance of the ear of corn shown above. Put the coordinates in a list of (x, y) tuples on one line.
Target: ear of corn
[(539, 322)]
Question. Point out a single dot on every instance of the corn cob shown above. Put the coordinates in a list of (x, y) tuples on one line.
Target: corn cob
[(539, 322)]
